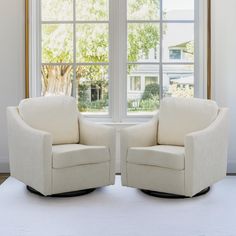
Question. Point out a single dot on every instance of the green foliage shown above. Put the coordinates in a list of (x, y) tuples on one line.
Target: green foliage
[(148, 102), (190, 48), (151, 91), (143, 105), (99, 105), (83, 95), (57, 45), (181, 90), (92, 40), (85, 104), (92, 43), (143, 9), (92, 10), (141, 38), (57, 10), (95, 74)]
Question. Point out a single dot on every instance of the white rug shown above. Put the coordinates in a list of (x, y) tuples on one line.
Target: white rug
[(117, 211)]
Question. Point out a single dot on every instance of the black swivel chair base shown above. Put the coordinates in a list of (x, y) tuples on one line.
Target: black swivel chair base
[(63, 195), (172, 196)]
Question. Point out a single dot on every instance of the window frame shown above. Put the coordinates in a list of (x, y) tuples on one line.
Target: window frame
[(118, 64)]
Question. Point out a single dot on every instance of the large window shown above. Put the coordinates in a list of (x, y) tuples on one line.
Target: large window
[(75, 51), (117, 57), (157, 27)]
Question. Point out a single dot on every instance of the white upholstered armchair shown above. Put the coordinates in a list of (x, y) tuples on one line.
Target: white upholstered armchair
[(54, 150), (181, 151)]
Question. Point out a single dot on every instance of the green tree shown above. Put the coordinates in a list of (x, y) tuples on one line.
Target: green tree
[(142, 37), (91, 41), (189, 47), (151, 91)]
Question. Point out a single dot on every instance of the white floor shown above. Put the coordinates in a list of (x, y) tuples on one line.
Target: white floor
[(117, 211)]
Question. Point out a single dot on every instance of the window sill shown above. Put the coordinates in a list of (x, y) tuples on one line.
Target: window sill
[(129, 120)]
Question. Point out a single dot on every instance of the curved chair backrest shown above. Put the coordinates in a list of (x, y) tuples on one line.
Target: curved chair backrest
[(57, 115), (181, 116)]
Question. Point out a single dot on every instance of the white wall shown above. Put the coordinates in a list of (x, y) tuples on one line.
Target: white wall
[(11, 66), (224, 65)]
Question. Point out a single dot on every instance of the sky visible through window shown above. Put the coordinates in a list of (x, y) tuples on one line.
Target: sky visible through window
[(185, 4)]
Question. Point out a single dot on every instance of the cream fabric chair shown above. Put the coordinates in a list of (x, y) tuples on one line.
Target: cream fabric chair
[(54, 150), (181, 151)]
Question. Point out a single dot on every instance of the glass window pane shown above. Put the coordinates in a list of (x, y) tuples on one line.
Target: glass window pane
[(178, 42), (92, 42), (87, 10), (143, 42), (135, 83), (151, 80), (57, 43), (144, 99), (178, 81), (92, 89), (143, 9), (57, 10), (56, 80), (178, 10), (175, 54)]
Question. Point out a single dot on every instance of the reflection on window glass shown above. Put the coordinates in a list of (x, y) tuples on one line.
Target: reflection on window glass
[(92, 10), (92, 89), (56, 80), (135, 83), (178, 81), (143, 90)]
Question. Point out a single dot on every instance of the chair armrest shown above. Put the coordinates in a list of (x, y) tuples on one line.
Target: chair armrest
[(30, 153), (93, 134), (206, 154), (142, 135)]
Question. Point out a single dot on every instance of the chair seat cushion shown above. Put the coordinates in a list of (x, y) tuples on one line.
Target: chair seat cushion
[(165, 156), (69, 155)]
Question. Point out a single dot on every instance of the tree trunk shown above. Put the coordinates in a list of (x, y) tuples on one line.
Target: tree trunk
[(56, 80)]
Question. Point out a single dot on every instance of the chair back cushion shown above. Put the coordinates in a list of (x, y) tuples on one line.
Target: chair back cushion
[(181, 116), (56, 115)]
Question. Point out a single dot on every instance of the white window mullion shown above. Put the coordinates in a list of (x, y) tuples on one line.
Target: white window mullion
[(161, 54), (74, 21), (74, 83), (113, 60), (39, 85), (196, 50), (35, 47), (200, 76), (123, 59)]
